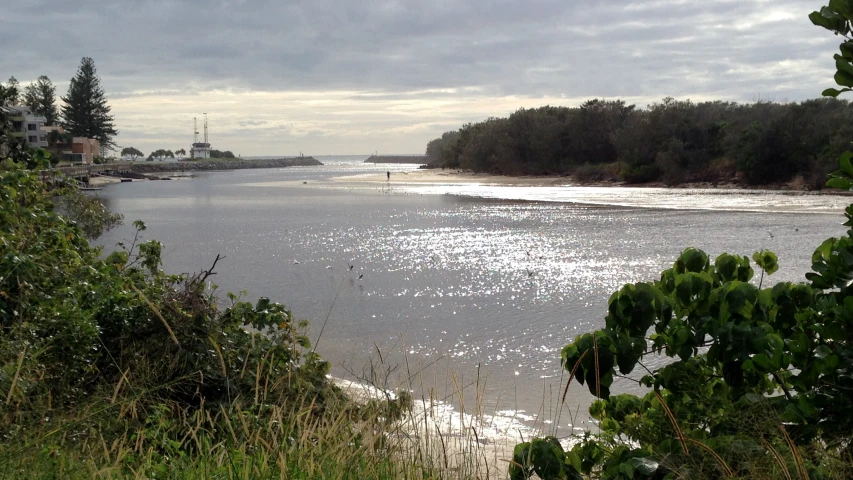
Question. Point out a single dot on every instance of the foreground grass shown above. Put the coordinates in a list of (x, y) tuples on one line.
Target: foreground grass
[(108, 441)]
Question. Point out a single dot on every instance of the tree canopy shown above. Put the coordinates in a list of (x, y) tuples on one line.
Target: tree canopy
[(221, 154), (672, 141), (85, 112), (131, 152), (10, 93), (161, 154), (40, 96)]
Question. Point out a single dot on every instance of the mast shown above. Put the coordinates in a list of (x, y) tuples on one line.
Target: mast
[(205, 129), (195, 130)]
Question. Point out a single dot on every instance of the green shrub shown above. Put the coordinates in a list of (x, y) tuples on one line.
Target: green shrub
[(590, 172), (641, 174)]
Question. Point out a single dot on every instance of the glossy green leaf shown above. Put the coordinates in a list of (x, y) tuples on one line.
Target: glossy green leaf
[(844, 79), (841, 183), (766, 260), (691, 260), (844, 163), (833, 92)]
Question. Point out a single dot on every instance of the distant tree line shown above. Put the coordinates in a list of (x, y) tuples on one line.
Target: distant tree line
[(672, 141), (221, 154)]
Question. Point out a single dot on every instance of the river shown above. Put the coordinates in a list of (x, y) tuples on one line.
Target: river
[(454, 286)]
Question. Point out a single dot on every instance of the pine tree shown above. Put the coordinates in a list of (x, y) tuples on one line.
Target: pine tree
[(41, 98), (85, 112)]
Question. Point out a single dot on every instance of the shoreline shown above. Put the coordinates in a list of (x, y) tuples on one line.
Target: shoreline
[(458, 177)]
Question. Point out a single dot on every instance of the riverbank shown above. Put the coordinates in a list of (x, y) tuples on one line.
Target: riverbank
[(460, 177), (224, 164)]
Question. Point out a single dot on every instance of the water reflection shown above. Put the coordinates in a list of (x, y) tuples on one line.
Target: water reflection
[(483, 280)]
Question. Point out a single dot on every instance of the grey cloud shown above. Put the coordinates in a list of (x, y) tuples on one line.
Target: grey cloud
[(388, 50), (585, 46)]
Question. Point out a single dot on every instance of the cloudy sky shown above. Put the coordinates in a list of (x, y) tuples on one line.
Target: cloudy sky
[(357, 76)]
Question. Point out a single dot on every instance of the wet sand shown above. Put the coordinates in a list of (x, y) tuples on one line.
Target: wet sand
[(455, 177), (461, 177)]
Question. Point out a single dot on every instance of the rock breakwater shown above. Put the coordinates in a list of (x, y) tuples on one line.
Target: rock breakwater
[(229, 164)]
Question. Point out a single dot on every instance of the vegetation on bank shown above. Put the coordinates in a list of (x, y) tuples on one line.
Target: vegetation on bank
[(219, 154), (758, 379), (673, 141)]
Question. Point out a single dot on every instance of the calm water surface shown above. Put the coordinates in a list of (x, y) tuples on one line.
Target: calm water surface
[(480, 280)]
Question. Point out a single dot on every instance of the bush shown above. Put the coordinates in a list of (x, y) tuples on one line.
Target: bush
[(602, 172), (641, 174), (111, 368)]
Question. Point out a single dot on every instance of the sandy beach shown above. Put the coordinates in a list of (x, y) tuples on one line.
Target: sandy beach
[(101, 180), (461, 177), (435, 176)]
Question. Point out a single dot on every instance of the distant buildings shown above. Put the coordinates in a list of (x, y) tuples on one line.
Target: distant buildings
[(27, 125), (200, 150), (84, 150), (69, 148), (32, 128)]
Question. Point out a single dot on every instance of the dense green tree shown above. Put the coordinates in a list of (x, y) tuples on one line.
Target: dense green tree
[(14, 89), (161, 154), (221, 154), (131, 152), (181, 153), (438, 148), (40, 96), (85, 112), (672, 141)]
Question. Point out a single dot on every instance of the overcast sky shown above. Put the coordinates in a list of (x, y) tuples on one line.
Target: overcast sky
[(357, 76)]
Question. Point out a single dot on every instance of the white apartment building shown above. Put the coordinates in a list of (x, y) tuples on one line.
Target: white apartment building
[(28, 125)]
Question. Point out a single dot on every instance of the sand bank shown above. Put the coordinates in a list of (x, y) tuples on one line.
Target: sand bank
[(453, 177), (459, 177), (101, 180)]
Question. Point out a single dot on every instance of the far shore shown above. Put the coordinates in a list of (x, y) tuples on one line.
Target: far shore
[(223, 164), (462, 177)]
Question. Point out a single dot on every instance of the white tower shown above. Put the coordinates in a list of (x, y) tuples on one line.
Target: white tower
[(200, 149)]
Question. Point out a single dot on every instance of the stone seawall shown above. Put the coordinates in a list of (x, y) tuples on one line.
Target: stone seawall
[(229, 164), (415, 159)]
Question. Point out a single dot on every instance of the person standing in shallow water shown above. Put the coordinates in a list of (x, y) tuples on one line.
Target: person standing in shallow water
[(389, 175)]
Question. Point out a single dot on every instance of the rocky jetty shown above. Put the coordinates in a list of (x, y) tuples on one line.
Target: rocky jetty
[(416, 159), (223, 164)]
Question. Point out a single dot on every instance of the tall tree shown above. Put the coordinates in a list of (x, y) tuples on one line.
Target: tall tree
[(11, 93), (86, 113), (40, 96)]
